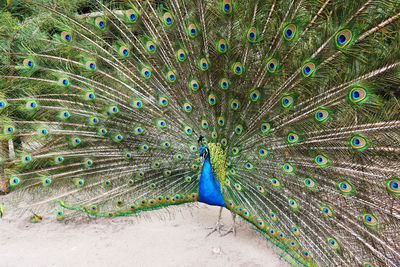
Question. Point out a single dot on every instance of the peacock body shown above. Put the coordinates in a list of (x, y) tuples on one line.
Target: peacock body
[(102, 104), (209, 187)]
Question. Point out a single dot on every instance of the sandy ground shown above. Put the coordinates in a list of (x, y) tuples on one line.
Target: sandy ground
[(175, 236)]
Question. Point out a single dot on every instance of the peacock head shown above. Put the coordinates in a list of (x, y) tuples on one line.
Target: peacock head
[(201, 141)]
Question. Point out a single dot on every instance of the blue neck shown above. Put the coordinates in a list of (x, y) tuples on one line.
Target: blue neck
[(209, 187)]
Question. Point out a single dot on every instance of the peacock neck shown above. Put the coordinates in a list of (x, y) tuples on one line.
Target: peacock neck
[(209, 187), (204, 150)]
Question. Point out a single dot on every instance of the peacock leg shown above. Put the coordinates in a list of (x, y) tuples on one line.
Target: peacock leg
[(218, 226), (232, 229)]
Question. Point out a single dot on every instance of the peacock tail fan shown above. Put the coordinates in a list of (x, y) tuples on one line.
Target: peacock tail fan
[(102, 103)]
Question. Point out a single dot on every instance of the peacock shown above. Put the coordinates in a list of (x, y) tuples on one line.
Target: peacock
[(284, 113)]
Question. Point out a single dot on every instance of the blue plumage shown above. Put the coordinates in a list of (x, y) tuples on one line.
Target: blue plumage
[(209, 187)]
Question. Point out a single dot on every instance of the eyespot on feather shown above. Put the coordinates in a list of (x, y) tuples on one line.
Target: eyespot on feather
[(358, 95), (29, 63), (327, 211), (90, 65), (343, 38), (345, 187), (203, 64), (309, 183), (212, 99), (293, 138), (252, 35), (332, 242), (181, 55), (146, 73), (358, 142), (369, 220), (288, 167), (393, 186), (192, 31), (171, 76), (272, 65), (321, 160), (222, 46), (237, 68), (132, 16), (66, 37), (287, 101), (289, 32), (321, 115), (168, 19), (124, 51), (100, 23), (235, 104), (151, 47), (308, 69), (227, 7)]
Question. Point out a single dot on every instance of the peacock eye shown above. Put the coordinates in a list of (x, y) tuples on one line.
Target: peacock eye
[(171, 77), (333, 243), (66, 37), (358, 95), (64, 82), (181, 55), (132, 16), (222, 46), (237, 68), (254, 95), (203, 64), (251, 35), (287, 101), (272, 65), (289, 32), (28, 63), (187, 107), (343, 38), (293, 138), (321, 160), (188, 130), (100, 23), (168, 19), (192, 30), (151, 47), (227, 7), (288, 168), (345, 187), (124, 51), (308, 69), (163, 101)]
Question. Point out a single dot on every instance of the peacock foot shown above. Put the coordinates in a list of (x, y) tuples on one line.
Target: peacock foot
[(217, 228), (232, 229)]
